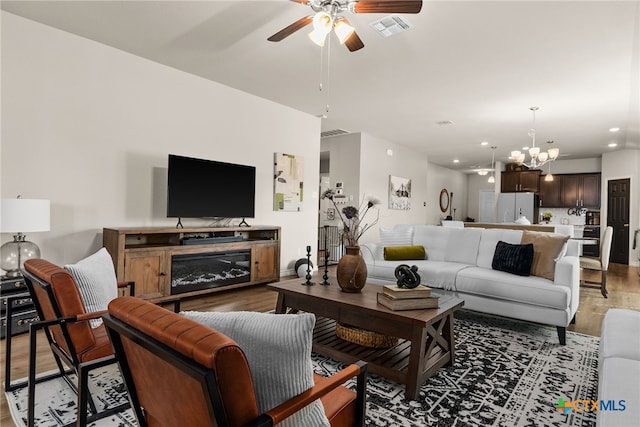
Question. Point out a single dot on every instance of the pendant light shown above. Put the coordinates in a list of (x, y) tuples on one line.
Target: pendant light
[(492, 178)]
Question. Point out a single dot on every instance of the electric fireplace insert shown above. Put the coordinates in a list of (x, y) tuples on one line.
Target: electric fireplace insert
[(194, 272)]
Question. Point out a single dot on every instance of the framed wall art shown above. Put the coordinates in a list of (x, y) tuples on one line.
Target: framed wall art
[(288, 182), (399, 193)]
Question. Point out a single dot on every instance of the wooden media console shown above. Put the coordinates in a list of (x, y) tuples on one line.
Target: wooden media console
[(149, 256)]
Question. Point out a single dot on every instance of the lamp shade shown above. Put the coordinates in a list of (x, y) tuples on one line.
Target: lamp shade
[(24, 215)]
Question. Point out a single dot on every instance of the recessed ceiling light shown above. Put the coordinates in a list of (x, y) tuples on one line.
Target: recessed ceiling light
[(456, 161), (444, 122), (612, 144), (614, 129), (484, 143)]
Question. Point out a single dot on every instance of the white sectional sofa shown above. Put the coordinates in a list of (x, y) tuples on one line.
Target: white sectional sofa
[(619, 369), (460, 260)]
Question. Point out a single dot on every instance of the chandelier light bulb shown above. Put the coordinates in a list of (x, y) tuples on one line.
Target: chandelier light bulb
[(553, 153), (515, 154), (534, 151), (543, 156)]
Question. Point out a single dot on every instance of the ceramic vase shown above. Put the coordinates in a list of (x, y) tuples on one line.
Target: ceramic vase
[(351, 271)]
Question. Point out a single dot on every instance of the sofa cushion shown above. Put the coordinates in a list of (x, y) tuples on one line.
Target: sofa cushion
[(395, 237), (96, 280), (434, 239), (546, 249), (505, 286), (514, 259), (462, 245), (399, 253), (620, 335), (278, 350), (488, 241), (618, 380)]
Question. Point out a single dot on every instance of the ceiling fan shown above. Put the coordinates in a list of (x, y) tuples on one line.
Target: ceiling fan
[(328, 17)]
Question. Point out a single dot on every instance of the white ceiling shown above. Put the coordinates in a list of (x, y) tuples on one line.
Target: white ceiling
[(480, 64)]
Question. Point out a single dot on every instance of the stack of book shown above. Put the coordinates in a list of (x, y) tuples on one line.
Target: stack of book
[(396, 298)]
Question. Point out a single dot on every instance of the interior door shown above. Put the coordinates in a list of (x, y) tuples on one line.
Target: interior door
[(618, 197)]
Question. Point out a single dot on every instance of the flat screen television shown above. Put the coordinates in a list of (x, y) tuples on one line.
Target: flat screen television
[(199, 188)]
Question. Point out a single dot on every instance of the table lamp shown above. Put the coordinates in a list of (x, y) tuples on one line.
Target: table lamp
[(19, 216)]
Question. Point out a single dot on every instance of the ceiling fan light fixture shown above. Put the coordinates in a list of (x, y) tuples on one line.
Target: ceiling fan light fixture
[(323, 22), (318, 37), (343, 30)]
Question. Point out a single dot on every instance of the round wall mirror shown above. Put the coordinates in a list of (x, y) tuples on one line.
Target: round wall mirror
[(444, 200)]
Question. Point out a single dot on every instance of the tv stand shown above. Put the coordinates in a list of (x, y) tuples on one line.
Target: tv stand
[(243, 223), (144, 255)]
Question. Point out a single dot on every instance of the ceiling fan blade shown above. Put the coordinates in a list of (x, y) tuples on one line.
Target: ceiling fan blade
[(354, 43), (388, 6), (287, 31)]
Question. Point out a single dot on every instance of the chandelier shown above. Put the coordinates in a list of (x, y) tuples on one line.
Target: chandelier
[(538, 158)]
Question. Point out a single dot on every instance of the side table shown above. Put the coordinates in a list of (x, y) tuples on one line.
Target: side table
[(16, 308)]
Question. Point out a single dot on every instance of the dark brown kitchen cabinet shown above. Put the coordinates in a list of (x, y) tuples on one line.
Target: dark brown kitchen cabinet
[(581, 190), (523, 181), (550, 192)]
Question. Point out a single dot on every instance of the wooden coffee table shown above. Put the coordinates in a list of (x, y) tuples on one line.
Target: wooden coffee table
[(426, 339)]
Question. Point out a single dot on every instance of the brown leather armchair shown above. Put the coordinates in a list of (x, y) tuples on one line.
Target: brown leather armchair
[(77, 347), (180, 372)]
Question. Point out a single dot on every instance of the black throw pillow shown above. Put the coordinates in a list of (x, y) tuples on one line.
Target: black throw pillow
[(514, 259)]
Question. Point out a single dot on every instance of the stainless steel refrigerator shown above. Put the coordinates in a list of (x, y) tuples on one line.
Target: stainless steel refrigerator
[(512, 206)]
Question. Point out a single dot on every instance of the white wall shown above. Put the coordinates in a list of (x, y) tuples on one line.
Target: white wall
[(620, 165), (361, 162), (590, 165), (454, 181), (344, 161), (475, 184), (375, 168), (89, 127)]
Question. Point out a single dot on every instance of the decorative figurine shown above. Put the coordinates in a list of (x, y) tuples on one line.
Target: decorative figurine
[(408, 277)]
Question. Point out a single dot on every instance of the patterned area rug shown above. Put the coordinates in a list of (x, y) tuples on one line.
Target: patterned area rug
[(507, 373)]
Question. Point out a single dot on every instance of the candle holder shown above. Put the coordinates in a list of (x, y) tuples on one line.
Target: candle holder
[(325, 276), (308, 277)]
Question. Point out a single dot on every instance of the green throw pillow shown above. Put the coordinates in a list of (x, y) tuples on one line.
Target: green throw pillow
[(399, 253)]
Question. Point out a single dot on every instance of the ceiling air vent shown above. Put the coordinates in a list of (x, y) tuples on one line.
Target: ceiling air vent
[(391, 25), (333, 132)]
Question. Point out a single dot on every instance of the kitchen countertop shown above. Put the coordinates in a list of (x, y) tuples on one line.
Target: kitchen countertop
[(550, 228)]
